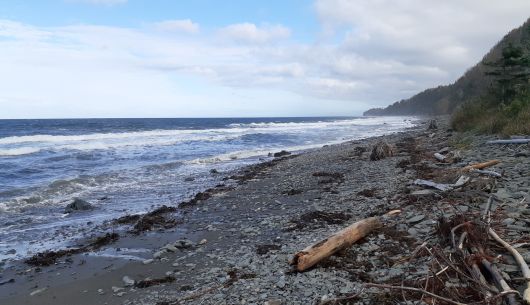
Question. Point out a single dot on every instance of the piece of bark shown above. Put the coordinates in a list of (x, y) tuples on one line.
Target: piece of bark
[(520, 261), (481, 165), (315, 253)]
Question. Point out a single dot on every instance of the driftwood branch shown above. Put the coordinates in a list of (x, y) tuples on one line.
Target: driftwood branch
[(520, 261), (415, 290), (438, 186), (487, 173), (481, 165), (506, 289), (315, 253), (512, 141)]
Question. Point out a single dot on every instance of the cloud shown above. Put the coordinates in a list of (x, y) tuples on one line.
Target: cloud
[(184, 25), (368, 53), (250, 33), (99, 2)]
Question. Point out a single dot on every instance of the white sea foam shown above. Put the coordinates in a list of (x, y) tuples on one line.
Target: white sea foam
[(19, 151)]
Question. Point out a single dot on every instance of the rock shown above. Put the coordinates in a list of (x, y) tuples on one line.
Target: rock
[(170, 248), (101, 291), (183, 244), (281, 154), (120, 294), (148, 261), (159, 254), (127, 281), (214, 171), (11, 251), (203, 241), (508, 221), (78, 205), (116, 289), (416, 218), (188, 179), (35, 292), (273, 302)]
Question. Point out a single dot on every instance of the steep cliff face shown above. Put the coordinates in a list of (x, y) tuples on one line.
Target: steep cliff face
[(473, 84)]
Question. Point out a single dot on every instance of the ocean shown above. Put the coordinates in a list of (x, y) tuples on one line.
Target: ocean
[(128, 166)]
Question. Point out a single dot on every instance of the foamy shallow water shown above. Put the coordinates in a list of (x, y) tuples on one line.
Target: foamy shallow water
[(127, 166)]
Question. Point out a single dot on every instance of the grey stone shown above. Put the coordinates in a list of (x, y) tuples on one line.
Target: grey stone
[(416, 218), (128, 281), (78, 205)]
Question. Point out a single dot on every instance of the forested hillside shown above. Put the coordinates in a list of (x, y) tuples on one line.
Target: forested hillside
[(501, 77)]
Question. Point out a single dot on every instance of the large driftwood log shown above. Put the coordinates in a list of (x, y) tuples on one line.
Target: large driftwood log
[(481, 165), (315, 253)]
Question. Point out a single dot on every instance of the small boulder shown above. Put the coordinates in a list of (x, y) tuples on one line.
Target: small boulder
[(281, 154), (78, 205)]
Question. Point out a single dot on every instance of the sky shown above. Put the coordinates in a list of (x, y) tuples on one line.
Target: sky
[(236, 58)]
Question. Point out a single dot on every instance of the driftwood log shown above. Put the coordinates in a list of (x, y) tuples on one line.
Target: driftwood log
[(344, 238), (512, 141)]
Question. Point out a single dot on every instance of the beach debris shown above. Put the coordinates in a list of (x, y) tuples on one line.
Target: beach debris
[(439, 157), (511, 141), (367, 192), (329, 177), (148, 261), (317, 218), (481, 165), (359, 150), (155, 219), (439, 186), (128, 281), (264, 249), (48, 258), (78, 205), (344, 238), (281, 154), (292, 192), (214, 171), (152, 282), (127, 219), (432, 125), (520, 261), (448, 156), (486, 172), (381, 150), (38, 291), (202, 242)]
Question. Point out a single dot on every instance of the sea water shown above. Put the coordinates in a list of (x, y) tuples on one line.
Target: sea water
[(128, 166)]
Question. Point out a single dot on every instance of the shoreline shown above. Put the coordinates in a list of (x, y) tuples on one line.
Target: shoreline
[(233, 244)]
